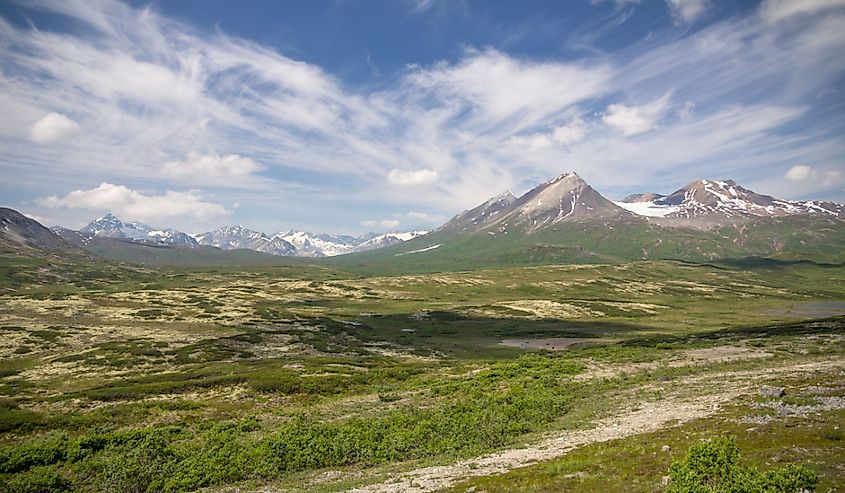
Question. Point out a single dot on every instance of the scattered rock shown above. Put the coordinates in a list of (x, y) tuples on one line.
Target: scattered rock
[(664, 481), (665, 448), (758, 419), (767, 391)]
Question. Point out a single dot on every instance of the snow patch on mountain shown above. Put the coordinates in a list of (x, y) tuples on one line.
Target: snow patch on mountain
[(421, 250), (650, 209)]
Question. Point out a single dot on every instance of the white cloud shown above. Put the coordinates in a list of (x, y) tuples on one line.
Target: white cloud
[(503, 93), (425, 217), (778, 10), (200, 167), (53, 127), (412, 177), (568, 134), (799, 172), (687, 110), (688, 10), (831, 177), (633, 120), (136, 206), (384, 223)]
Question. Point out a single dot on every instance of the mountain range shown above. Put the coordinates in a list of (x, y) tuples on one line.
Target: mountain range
[(290, 243), (566, 220), (563, 220)]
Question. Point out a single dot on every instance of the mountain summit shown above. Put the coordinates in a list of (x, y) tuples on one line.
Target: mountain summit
[(566, 198), (715, 202)]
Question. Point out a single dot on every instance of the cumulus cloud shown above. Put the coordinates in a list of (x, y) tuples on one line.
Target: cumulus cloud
[(412, 177), (211, 166), (687, 10), (53, 127), (133, 205), (799, 172), (779, 10), (633, 120)]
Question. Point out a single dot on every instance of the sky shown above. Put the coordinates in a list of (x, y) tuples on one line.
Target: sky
[(348, 116)]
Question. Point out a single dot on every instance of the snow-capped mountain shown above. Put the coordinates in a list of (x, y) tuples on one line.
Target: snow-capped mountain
[(111, 227), (299, 243), (566, 198), (319, 245), (715, 199), (386, 240), (234, 237)]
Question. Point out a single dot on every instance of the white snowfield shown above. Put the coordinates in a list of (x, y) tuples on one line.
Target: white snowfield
[(649, 209)]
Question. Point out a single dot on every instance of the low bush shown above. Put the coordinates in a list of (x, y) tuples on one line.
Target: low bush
[(713, 467)]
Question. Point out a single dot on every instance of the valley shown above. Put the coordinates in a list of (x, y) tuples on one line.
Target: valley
[(312, 378)]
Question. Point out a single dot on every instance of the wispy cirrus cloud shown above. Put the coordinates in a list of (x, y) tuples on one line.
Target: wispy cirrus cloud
[(165, 106), (688, 10), (780, 10)]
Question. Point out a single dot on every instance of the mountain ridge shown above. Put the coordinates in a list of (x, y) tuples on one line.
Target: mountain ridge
[(286, 243)]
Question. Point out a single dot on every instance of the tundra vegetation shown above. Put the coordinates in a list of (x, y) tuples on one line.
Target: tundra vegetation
[(626, 377)]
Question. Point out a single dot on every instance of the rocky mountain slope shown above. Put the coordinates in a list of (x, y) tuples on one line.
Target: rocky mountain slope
[(565, 199), (17, 230)]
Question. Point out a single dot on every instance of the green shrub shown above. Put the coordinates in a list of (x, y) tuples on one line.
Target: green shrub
[(713, 467), (40, 479)]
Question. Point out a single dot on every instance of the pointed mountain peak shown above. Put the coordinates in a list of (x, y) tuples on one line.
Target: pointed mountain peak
[(108, 218), (504, 198), (571, 178)]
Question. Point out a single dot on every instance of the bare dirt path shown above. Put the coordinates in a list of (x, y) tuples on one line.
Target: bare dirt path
[(650, 416)]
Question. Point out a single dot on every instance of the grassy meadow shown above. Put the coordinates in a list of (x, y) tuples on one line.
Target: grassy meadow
[(313, 378)]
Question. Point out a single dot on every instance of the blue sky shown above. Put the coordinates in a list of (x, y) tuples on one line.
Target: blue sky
[(350, 116)]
